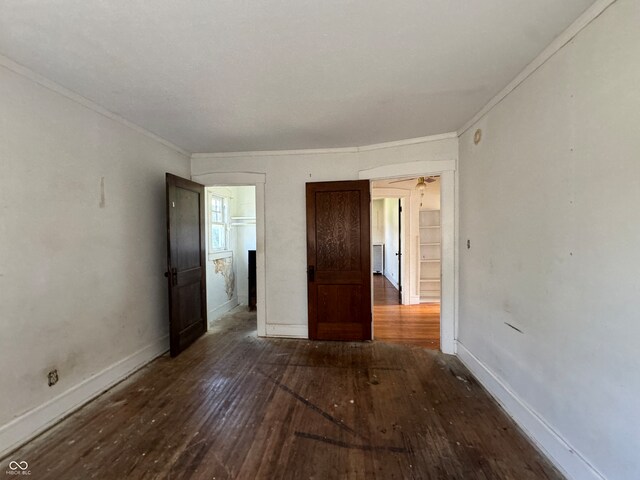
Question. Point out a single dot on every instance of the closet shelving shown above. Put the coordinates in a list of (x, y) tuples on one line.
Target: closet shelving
[(430, 255)]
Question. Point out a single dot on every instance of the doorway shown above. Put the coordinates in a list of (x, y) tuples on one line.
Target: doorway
[(256, 180), (230, 217), (406, 227), (386, 237)]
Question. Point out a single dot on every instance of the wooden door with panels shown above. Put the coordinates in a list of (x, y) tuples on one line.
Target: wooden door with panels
[(339, 260), (186, 262)]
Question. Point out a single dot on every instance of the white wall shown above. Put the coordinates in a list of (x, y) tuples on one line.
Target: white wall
[(285, 242), (81, 274), (377, 220), (391, 239), (550, 200)]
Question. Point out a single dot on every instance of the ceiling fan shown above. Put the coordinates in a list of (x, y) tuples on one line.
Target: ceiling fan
[(424, 180)]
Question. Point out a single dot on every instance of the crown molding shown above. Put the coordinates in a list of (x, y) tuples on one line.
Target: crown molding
[(322, 151), (85, 102), (408, 141), (276, 153), (593, 12)]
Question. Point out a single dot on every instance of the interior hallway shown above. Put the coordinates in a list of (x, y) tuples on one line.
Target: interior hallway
[(237, 406), (409, 324)]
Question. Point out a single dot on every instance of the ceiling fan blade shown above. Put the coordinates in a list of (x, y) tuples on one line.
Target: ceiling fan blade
[(403, 180), (430, 179)]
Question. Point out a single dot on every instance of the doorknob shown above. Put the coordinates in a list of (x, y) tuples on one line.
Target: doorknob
[(311, 273)]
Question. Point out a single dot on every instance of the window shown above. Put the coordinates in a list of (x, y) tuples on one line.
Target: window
[(218, 221)]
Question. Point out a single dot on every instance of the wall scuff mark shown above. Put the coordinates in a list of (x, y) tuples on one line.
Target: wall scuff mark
[(103, 202), (515, 328)]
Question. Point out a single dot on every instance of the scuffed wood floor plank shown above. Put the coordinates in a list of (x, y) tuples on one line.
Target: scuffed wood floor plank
[(237, 406)]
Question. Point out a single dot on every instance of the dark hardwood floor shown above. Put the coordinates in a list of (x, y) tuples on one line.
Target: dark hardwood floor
[(237, 406), (409, 324)]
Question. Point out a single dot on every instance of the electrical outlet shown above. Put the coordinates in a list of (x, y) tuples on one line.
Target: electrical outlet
[(53, 377)]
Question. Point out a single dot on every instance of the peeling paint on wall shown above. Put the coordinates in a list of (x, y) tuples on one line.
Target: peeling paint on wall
[(224, 266)]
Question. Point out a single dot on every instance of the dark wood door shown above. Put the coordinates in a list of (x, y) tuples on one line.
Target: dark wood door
[(186, 262), (339, 260)]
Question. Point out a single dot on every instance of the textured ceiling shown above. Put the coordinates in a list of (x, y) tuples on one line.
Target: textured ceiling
[(237, 75)]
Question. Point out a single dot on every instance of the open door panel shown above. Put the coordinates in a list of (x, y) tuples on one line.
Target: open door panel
[(186, 262)]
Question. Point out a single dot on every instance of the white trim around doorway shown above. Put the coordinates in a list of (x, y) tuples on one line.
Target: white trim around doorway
[(446, 169)]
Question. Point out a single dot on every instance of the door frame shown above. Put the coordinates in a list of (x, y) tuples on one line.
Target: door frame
[(258, 180), (446, 169), (403, 195)]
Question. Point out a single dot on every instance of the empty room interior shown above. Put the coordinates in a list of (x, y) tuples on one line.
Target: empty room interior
[(329, 240)]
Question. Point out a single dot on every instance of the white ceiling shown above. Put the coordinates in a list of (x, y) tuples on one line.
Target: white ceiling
[(237, 75)]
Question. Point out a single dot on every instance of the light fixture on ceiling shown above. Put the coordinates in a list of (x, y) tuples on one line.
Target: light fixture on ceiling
[(421, 186)]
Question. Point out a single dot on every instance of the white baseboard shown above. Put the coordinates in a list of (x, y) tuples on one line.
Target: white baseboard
[(391, 281), (27, 426), (216, 313), (557, 449), (289, 331)]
